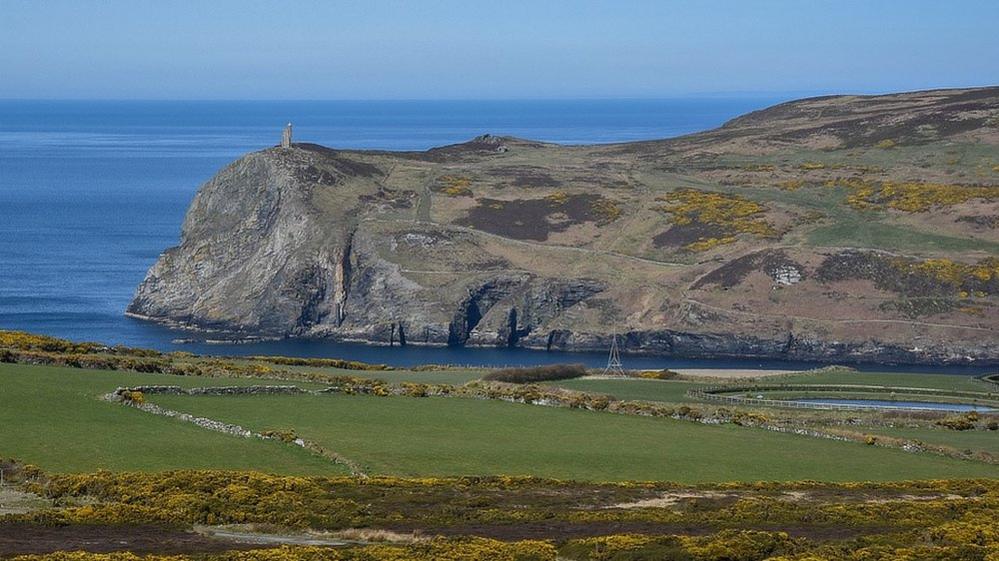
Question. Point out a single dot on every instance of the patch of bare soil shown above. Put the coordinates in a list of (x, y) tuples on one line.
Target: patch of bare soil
[(25, 539), (249, 536), (669, 500), (905, 498), (13, 501)]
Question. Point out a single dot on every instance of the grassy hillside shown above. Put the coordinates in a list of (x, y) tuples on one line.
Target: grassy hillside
[(842, 228)]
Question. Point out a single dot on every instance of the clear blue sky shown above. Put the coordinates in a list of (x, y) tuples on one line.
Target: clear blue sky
[(212, 49)]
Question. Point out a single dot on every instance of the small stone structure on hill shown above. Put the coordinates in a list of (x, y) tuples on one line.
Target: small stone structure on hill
[(286, 136)]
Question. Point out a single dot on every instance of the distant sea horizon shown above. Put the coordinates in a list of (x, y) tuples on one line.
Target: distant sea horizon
[(91, 192)]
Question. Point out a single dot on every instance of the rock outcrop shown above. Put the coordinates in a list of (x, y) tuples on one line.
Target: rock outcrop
[(841, 228)]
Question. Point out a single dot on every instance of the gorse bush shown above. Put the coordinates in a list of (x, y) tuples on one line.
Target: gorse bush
[(537, 373), (742, 522), (728, 215), (453, 186), (470, 549), (25, 348), (29, 342), (911, 196), (664, 374), (320, 362)]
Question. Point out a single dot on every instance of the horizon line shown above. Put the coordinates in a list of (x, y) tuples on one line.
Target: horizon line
[(747, 94)]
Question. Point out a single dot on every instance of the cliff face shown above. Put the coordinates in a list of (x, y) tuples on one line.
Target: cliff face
[(835, 229)]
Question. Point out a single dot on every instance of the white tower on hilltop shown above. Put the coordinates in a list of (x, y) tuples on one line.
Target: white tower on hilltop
[(286, 136)]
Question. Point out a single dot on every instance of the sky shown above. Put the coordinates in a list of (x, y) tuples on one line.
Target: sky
[(496, 49)]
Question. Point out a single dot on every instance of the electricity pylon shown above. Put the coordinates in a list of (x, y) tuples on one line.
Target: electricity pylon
[(614, 366)]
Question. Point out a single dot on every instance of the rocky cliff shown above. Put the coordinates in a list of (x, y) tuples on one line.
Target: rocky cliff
[(837, 228)]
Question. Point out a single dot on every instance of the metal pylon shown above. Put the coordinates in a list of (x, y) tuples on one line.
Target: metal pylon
[(614, 366)]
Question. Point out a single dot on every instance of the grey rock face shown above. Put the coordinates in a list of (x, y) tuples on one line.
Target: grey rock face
[(258, 255)]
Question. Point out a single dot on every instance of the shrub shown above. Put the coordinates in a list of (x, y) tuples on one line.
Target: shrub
[(791, 184), (454, 186), (963, 422), (537, 373), (135, 397), (663, 374), (320, 362), (729, 215), (284, 435), (911, 196)]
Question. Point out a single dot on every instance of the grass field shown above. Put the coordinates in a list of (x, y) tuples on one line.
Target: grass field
[(911, 380), (442, 436), (987, 441), (52, 417), (674, 391), (874, 234), (451, 376), (631, 388)]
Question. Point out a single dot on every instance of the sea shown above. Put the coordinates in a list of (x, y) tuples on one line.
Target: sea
[(91, 192)]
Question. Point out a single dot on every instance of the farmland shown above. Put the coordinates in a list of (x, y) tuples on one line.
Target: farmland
[(375, 463)]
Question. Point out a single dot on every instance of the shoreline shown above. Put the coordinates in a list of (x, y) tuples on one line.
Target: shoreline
[(767, 362)]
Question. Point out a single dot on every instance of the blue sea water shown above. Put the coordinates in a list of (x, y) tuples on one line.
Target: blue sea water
[(92, 191)]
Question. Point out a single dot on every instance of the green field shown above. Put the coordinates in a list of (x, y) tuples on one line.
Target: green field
[(633, 389), (987, 441), (674, 391), (452, 436), (873, 234), (455, 376), (52, 417), (909, 380)]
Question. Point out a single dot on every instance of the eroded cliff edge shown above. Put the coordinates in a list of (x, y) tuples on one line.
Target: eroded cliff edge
[(843, 228)]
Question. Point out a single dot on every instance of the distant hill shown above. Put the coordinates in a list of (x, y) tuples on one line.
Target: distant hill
[(834, 228)]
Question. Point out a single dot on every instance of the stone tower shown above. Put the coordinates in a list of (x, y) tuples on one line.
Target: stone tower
[(286, 136)]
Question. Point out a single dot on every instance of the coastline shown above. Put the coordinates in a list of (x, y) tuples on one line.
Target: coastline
[(598, 347)]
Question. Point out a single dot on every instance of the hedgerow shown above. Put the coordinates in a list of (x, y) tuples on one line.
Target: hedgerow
[(26, 348), (537, 373)]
